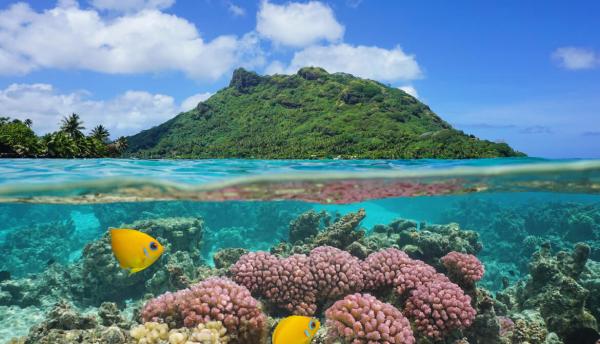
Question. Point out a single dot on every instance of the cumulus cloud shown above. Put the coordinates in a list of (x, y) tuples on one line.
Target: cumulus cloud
[(410, 90), (298, 24), (236, 10), (69, 37), (124, 114), (131, 5), (364, 61), (576, 58), (192, 101)]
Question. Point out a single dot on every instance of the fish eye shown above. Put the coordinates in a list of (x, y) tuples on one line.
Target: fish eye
[(153, 246), (312, 324)]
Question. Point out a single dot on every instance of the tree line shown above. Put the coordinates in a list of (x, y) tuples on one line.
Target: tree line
[(18, 140)]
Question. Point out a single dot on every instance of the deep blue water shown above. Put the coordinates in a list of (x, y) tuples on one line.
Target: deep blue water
[(50, 209)]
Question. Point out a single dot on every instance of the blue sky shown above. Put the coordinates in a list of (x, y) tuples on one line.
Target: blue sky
[(527, 73)]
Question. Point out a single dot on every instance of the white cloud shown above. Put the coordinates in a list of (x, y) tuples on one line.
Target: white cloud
[(69, 37), (275, 67), (192, 101), (125, 114), (131, 5), (367, 62), (298, 24), (236, 10), (576, 58), (410, 90)]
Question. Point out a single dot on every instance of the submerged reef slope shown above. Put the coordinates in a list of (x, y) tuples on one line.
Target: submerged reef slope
[(555, 290), (515, 232), (402, 282), (308, 115)]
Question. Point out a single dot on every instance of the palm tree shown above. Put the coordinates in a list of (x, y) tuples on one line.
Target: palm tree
[(73, 126), (60, 145), (100, 133), (121, 144)]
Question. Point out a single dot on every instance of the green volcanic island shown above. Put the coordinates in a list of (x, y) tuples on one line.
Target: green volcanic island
[(310, 115)]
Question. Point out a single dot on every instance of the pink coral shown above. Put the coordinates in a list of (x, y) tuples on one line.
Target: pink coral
[(382, 267), (336, 272), (464, 269), (361, 318), (298, 282), (415, 274), (439, 307), (393, 268), (288, 282), (215, 299), (256, 271)]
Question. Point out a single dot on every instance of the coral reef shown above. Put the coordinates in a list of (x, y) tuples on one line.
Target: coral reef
[(518, 230), (438, 308), (298, 283), (431, 242), (286, 282), (65, 325), (56, 282), (212, 332), (555, 291), (408, 265), (306, 225), (301, 283), (104, 280), (361, 318), (28, 249), (339, 232), (215, 299), (336, 272), (463, 269), (226, 257)]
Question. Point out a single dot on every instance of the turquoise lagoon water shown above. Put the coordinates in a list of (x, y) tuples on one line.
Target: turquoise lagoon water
[(51, 209)]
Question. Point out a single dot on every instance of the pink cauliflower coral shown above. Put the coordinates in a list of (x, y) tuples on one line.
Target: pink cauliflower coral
[(336, 272), (413, 275), (295, 288), (256, 271), (382, 267), (361, 318), (464, 269), (439, 307), (215, 299), (394, 268), (288, 283)]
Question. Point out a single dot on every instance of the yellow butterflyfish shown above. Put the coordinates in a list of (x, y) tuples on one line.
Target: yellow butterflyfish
[(295, 329), (134, 250)]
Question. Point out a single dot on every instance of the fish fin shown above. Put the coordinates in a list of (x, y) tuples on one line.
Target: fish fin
[(134, 270)]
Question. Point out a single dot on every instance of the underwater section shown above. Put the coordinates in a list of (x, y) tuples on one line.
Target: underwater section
[(512, 257)]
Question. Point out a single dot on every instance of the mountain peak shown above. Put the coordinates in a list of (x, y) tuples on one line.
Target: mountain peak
[(242, 79), (310, 114)]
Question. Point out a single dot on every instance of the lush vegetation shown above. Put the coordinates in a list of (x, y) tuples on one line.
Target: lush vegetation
[(18, 140), (312, 114)]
